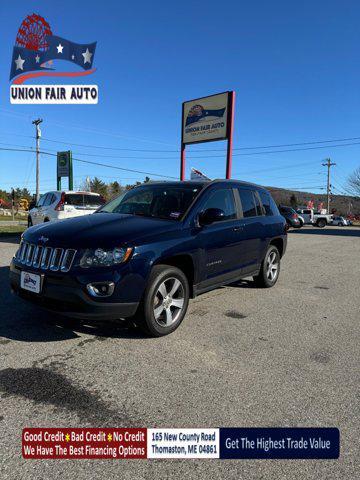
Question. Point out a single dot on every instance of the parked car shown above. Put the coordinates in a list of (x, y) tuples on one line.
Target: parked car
[(301, 220), (291, 217), (145, 253), (311, 217), (59, 205), (340, 221)]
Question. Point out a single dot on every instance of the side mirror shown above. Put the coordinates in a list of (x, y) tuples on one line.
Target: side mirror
[(211, 215)]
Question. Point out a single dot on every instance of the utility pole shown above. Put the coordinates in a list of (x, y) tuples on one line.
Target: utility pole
[(328, 164), (38, 135), (12, 203)]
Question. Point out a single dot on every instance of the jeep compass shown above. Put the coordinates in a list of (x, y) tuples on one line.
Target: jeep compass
[(145, 253)]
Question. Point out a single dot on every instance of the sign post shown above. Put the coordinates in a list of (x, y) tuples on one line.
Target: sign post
[(208, 119), (64, 168), (230, 134)]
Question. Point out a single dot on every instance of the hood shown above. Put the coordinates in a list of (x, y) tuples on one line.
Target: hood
[(98, 230)]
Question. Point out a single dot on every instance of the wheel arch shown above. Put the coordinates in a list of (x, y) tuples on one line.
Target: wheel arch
[(183, 262), (279, 244)]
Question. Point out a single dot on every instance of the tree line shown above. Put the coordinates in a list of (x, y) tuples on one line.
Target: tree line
[(111, 189)]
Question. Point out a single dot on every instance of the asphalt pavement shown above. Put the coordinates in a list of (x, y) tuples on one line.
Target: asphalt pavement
[(243, 357)]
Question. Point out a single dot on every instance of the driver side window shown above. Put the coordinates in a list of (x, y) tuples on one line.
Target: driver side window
[(224, 200)]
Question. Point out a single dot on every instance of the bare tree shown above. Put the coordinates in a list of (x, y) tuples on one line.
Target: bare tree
[(354, 182)]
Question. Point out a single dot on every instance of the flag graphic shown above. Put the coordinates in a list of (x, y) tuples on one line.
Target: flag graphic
[(197, 113), (36, 48)]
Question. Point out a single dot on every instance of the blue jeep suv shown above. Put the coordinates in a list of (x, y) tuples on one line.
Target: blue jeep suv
[(145, 253)]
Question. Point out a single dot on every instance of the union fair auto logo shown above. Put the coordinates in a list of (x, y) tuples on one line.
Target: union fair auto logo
[(35, 51), (198, 113), (28, 280)]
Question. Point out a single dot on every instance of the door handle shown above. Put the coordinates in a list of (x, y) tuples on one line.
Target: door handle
[(238, 229)]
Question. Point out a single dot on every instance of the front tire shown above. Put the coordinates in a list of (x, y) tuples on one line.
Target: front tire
[(270, 268), (165, 301)]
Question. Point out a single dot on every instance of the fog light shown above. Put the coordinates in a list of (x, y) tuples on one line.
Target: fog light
[(101, 289)]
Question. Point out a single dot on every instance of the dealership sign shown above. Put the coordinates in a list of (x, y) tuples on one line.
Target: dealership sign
[(208, 119), (205, 119)]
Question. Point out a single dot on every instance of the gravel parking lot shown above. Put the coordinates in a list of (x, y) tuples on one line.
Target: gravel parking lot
[(287, 356)]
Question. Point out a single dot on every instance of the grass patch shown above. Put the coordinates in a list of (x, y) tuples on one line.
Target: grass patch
[(16, 217), (11, 230)]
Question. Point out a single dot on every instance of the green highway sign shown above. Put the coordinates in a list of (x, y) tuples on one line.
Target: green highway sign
[(64, 168)]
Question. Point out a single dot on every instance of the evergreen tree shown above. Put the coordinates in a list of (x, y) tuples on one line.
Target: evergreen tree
[(293, 201), (114, 189), (98, 186)]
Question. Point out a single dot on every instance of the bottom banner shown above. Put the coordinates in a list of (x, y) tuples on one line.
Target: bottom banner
[(140, 443)]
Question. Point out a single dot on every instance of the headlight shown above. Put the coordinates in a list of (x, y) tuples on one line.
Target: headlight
[(105, 258)]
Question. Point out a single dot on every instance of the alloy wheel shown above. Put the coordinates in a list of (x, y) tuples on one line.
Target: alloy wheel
[(169, 302), (272, 266)]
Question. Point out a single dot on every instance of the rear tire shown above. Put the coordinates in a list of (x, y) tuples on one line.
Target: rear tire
[(321, 223), (270, 268), (165, 301)]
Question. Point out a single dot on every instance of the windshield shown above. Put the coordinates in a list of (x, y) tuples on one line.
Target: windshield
[(159, 201)]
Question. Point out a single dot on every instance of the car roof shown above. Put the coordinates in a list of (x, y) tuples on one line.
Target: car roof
[(71, 191), (81, 191), (202, 183)]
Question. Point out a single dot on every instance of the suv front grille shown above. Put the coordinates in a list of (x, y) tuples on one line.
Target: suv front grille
[(45, 258)]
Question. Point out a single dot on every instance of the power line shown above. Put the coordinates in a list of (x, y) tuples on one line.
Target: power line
[(258, 147), (92, 163), (155, 174), (202, 156), (86, 129), (297, 188), (207, 150)]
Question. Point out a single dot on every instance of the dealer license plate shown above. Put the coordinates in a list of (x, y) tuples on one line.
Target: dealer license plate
[(30, 281)]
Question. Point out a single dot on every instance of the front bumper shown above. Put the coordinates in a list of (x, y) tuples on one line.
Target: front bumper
[(63, 294)]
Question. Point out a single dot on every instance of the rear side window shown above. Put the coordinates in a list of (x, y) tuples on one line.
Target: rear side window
[(93, 200), (83, 200), (257, 204), (268, 203), (247, 202), (223, 199)]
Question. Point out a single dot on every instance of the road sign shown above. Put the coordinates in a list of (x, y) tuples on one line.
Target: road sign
[(64, 168)]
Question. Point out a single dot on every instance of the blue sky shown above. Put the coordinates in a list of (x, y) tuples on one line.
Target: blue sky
[(294, 67)]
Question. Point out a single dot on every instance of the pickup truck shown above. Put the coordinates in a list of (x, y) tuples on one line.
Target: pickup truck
[(308, 216)]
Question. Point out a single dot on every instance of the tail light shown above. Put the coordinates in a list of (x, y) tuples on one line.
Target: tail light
[(294, 215), (60, 206)]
